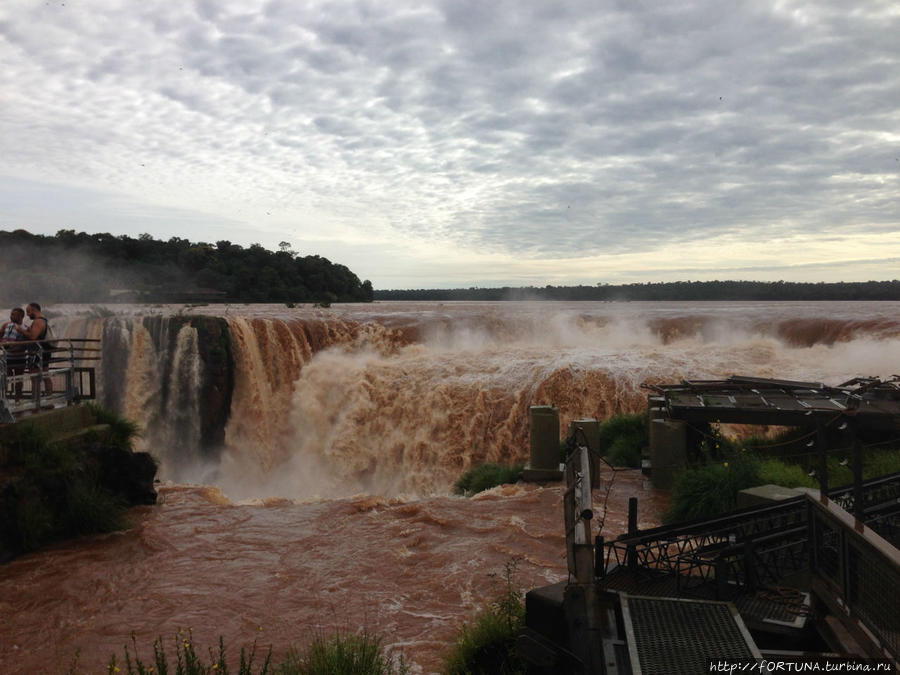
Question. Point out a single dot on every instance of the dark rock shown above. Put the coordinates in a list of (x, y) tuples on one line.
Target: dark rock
[(124, 473)]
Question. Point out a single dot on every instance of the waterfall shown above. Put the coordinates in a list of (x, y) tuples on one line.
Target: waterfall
[(403, 399)]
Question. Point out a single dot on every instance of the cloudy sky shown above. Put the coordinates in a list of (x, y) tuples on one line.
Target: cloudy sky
[(460, 143)]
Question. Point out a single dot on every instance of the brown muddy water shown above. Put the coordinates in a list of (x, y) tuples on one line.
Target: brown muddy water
[(327, 503), (408, 570)]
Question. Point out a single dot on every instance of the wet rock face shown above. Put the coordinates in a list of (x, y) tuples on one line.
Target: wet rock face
[(217, 379), (128, 475), (172, 375), (216, 367)]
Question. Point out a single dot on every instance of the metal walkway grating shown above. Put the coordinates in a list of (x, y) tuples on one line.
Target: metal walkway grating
[(672, 636)]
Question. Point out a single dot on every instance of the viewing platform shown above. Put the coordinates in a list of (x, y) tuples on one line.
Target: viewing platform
[(28, 386)]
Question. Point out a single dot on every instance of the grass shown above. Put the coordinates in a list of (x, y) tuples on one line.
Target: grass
[(187, 660), (122, 432), (362, 654), (776, 472), (338, 654), (487, 645), (485, 476)]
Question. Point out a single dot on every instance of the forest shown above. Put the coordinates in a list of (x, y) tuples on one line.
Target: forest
[(677, 290), (78, 267), (75, 266)]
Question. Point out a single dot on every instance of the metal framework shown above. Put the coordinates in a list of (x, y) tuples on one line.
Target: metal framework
[(742, 550), (857, 574), (873, 402)]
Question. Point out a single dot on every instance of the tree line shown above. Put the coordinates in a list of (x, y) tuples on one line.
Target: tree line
[(675, 290), (79, 267)]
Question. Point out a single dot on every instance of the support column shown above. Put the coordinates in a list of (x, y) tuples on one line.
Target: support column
[(859, 510), (668, 451), (822, 449)]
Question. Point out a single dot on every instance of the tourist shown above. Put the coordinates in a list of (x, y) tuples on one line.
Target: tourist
[(39, 354), (15, 354)]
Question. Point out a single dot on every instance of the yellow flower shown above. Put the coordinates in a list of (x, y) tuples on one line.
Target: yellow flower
[(725, 464)]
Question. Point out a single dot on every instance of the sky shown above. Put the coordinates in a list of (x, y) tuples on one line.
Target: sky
[(467, 143)]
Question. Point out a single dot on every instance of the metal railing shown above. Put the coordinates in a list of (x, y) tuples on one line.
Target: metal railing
[(755, 546), (857, 574), (577, 512), (35, 375)]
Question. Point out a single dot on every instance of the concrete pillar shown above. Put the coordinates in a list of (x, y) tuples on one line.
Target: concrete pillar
[(544, 457), (668, 451)]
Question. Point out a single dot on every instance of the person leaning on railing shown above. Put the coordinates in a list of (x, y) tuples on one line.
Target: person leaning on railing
[(15, 354), (39, 354)]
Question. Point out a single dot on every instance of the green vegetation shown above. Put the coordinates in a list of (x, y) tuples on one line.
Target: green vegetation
[(53, 490), (776, 472), (624, 437), (678, 290), (340, 654), (121, 431), (348, 653), (487, 645), (485, 476), (177, 270), (710, 490)]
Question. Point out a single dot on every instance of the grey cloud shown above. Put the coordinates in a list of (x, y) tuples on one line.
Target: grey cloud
[(525, 128)]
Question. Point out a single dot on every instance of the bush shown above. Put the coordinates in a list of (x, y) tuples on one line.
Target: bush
[(90, 509), (485, 476), (487, 645), (712, 489), (52, 491), (624, 437)]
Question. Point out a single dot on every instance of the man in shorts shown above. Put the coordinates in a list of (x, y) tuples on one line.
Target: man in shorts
[(39, 354)]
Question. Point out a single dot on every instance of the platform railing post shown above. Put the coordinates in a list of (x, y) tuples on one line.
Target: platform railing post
[(631, 553), (3, 372), (822, 449), (859, 509)]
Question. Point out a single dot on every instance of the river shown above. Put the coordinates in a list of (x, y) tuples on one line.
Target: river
[(308, 459)]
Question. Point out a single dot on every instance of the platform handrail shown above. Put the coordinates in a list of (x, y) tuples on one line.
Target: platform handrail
[(856, 573), (31, 369)]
